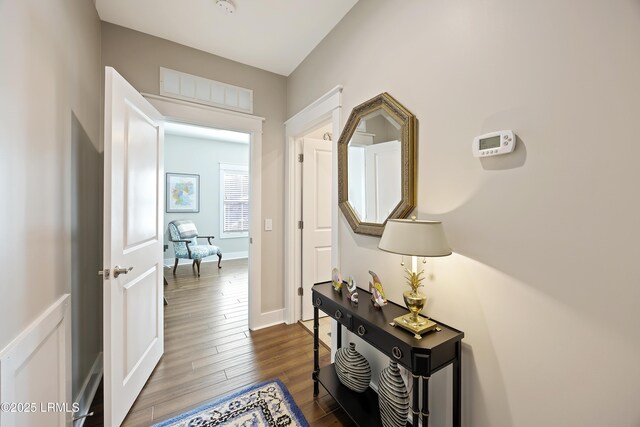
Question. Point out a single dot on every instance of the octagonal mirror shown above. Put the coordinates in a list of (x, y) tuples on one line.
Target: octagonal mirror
[(376, 164)]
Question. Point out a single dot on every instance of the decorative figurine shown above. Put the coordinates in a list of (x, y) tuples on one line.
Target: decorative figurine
[(336, 278), (377, 293), (352, 291)]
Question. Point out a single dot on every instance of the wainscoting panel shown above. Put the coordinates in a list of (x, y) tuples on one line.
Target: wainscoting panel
[(35, 371)]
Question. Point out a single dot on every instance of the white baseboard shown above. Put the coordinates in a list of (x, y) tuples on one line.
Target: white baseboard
[(36, 367), (270, 318), (168, 262), (235, 255), (88, 391)]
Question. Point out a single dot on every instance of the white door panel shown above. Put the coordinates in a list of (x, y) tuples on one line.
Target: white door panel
[(316, 215), (133, 236), (383, 189), (141, 324), (322, 264), (141, 164)]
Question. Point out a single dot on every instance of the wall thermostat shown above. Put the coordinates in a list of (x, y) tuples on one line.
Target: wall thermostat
[(494, 143)]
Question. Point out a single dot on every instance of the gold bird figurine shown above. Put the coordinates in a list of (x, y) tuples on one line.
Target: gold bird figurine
[(377, 293)]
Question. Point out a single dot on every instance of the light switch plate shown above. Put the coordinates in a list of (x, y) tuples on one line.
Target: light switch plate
[(268, 224)]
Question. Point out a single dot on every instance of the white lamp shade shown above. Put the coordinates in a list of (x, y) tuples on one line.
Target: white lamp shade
[(414, 237)]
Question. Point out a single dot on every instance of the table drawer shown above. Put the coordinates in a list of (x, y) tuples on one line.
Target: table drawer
[(395, 349), (334, 310)]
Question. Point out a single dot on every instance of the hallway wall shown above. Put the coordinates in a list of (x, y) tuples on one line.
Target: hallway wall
[(544, 278), (50, 101)]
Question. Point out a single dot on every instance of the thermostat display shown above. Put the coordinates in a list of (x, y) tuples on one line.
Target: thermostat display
[(494, 143)]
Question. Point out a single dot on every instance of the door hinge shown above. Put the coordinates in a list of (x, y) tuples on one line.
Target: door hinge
[(300, 291), (300, 158), (300, 225)]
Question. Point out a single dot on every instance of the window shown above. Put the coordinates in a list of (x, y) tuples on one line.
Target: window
[(234, 201)]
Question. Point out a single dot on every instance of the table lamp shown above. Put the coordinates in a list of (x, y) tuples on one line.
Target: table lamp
[(416, 238)]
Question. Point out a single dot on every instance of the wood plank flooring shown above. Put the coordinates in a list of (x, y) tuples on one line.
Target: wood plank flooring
[(210, 352)]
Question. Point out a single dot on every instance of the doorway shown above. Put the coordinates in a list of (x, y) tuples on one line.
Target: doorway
[(133, 223), (208, 307), (314, 198), (326, 109), (210, 117), (207, 182)]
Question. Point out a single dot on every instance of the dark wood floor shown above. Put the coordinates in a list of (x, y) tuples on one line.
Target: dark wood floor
[(210, 352)]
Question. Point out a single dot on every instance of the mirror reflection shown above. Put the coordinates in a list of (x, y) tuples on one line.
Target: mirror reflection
[(376, 164), (374, 167)]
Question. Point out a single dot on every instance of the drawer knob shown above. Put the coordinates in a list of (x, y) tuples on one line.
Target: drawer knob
[(338, 314), (396, 352), (361, 330), (317, 302)]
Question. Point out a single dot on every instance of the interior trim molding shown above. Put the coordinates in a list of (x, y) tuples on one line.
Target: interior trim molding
[(270, 318), (308, 110), (226, 256), (325, 109), (30, 362), (151, 97), (189, 112)]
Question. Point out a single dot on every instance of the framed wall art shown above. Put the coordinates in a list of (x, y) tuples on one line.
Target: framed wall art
[(183, 192)]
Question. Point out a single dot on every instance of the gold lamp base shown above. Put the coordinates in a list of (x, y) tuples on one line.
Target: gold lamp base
[(412, 321), (419, 327)]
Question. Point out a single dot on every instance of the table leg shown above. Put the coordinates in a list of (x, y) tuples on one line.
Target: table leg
[(339, 337), (316, 355), (425, 401), (457, 387), (415, 408)]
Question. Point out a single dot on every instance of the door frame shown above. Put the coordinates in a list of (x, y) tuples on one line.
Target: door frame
[(326, 108), (191, 113)]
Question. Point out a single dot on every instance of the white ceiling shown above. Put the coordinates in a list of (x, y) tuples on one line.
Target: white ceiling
[(275, 35)]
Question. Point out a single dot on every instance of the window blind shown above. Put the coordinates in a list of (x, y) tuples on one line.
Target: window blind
[(236, 201)]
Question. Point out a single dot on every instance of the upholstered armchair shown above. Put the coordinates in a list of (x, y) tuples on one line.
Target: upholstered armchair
[(184, 236)]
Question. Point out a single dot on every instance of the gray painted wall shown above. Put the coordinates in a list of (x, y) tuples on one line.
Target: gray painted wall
[(138, 57), (50, 163), (183, 154), (544, 279)]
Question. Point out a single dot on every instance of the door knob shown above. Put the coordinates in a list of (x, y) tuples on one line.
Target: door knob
[(121, 270)]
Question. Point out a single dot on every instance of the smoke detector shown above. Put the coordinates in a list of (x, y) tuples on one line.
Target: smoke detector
[(226, 6)]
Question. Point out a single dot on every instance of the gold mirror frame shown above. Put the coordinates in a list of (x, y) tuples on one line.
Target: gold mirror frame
[(408, 158)]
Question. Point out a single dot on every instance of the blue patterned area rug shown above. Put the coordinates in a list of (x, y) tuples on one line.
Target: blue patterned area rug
[(266, 404)]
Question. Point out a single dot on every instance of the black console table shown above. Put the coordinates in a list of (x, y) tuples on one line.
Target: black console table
[(422, 358)]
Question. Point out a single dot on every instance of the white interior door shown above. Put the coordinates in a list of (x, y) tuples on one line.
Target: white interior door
[(133, 201), (316, 216), (383, 186)]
